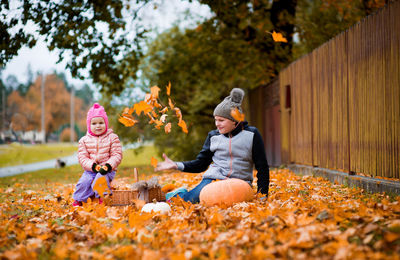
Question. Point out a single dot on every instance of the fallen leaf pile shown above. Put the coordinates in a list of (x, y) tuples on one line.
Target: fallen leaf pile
[(304, 218), (157, 113)]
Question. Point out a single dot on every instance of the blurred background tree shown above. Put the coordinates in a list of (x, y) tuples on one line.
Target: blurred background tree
[(231, 48)]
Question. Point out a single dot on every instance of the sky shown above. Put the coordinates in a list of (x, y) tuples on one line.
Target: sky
[(166, 13)]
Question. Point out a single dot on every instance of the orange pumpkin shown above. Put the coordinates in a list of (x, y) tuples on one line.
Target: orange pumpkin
[(226, 192)]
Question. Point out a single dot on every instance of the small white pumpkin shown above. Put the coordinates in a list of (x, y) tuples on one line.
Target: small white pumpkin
[(160, 207)]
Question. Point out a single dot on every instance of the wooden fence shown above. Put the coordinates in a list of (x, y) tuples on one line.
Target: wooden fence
[(340, 103)]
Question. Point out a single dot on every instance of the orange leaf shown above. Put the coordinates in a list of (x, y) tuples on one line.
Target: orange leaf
[(101, 186), (182, 124), (142, 106), (127, 121), (235, 113), (169, 88), (164, 110), (168, 187), (147, 97), (157, 122), (178, 113), (153, 162), (278, 37), (171, 105), (167, 128), (154, 103), (128, 110), (154, 92)]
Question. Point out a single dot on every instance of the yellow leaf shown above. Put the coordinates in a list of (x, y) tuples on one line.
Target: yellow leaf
[(278, 37), (235, 113), (101, 186), (153, 162), (154, 92), (169, 88), (182, 124)]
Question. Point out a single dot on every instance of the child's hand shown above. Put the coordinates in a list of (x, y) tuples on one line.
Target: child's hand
[(167, 164), (105, 169), (96, 167)]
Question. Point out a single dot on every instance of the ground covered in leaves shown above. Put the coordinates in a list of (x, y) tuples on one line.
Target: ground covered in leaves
[(305, 217)]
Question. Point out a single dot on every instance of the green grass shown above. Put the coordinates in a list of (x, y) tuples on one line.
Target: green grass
[(17, 154), (132, 158), (139, 157)]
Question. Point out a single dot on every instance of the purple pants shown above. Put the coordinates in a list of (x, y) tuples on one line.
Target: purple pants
[(84, 187)]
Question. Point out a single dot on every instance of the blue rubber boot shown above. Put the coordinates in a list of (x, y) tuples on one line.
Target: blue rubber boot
[(171, 194)]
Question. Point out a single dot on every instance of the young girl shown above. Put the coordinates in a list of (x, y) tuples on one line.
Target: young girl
[(230, 151), (99, 153)]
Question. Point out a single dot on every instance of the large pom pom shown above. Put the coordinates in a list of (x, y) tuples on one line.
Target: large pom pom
[(237, 95), (96, 105)]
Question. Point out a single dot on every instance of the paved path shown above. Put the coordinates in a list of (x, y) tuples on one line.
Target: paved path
[(15, 170)]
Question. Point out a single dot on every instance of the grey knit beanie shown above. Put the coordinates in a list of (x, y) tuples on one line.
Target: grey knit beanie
[(234, 100)]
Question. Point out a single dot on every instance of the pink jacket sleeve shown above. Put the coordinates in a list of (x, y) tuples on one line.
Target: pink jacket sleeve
[(115, 152), (84, 157)]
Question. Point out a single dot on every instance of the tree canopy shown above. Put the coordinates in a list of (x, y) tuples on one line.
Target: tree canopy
[(232, 48), (92, 34)]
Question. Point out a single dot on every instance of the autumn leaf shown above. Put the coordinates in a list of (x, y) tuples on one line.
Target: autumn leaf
[(278, 37), (153, 162), (142, 106), (178, 113), (235, 113), (164, 110), (154, 92), (163, 118), (127, 121), (168, 187), (167, 128), (158, 123), (101, 186), (128, 110), (182, 125), (171, 105), (169, 88)]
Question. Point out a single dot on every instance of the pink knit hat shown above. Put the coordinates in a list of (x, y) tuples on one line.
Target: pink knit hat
[(96, 111)]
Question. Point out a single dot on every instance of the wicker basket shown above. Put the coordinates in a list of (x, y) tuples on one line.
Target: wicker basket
[(128, 197), (123, 197)]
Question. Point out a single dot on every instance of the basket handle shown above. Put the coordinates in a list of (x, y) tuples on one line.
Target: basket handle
[(135, 175)]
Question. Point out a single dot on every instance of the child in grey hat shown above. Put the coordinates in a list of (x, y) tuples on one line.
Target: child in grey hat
[(230, 151)]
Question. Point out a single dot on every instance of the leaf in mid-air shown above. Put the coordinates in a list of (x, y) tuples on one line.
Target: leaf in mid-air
[(278, 37), (167, 128), (127, 121), (128, 110), (237, 115), (171, 105), (154, 92), (182, 124), (153, 162), (169, 88), (142, 106)]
